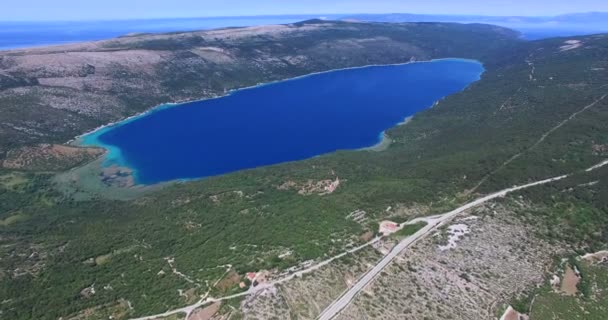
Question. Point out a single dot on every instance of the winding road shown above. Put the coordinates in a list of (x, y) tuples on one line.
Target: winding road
[(433, 223), (204, 301), (347, 296)]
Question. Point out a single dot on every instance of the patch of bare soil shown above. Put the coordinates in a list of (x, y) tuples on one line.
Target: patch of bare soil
[(388, 227), (49, 157), (205, 313), (512, 314), (367, 236), (569, 282), (229, 281)]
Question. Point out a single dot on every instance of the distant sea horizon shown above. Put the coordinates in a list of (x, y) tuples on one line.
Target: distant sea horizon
[(29, 34), (26, 34)]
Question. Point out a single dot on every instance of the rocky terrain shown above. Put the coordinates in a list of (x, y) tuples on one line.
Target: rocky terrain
[(305, 298), (498, 259)]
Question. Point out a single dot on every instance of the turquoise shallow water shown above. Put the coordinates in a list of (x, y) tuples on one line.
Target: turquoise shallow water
[(284, 121)]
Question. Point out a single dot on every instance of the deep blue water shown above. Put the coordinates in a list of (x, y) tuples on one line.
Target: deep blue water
[(279, 122)]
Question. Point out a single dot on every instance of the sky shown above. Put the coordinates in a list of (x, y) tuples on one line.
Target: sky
[(38, 10)]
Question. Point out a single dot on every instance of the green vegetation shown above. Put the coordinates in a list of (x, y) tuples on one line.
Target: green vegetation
[(408, 230), (573, 210), (523, 301), (245, 220), (232, 307), (17, 217), (590, 306)]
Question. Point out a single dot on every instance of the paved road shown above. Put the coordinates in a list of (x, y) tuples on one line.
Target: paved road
[(338, 305), (433, 223), (205, 301)]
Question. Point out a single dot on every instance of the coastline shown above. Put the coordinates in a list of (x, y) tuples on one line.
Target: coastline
[(385, 140), (113, 155), (167, 105)]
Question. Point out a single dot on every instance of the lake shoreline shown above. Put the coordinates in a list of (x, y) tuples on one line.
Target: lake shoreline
[(385, 140), (167, 105), (112, 156)]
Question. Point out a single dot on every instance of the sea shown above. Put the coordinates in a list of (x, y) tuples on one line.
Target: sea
[(279, 122), (15, 35)]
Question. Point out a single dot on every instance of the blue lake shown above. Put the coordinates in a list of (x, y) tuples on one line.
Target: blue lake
[(284, 121)]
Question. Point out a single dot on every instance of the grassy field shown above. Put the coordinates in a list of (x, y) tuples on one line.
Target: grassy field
[(408, 230)]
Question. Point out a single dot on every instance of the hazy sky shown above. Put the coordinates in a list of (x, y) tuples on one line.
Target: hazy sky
[(126, 9)]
